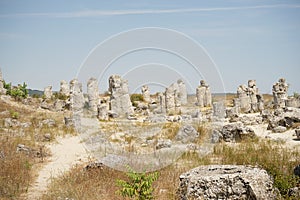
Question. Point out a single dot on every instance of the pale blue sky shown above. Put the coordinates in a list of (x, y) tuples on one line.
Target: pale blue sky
[(43, 42)]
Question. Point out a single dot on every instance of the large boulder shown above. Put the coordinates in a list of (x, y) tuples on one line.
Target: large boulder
[(226, 182), (234, 132), (283, 118)]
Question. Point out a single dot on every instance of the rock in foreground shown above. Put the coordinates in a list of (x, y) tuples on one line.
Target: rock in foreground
[(226, 182)]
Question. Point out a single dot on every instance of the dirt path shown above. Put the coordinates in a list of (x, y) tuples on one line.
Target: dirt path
[(68, 152)]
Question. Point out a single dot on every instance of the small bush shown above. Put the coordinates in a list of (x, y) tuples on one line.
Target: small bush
[(139, 185), (136, 97), (14, 114), (18, 92), (58, 95), (36, 96)]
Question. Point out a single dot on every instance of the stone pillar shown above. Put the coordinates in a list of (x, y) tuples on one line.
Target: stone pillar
[(182, 92), (203, 95), (173, 103), (48, 92), (253, 92), (162, 102), (260, 102), (103, 108), (120, 103), (64, 88), (2, 89), (244, 99), (219, 110), (207, 100), (146, 94), (249, 98), (76, 96), (93, 95), (280, 95), (170, 100)]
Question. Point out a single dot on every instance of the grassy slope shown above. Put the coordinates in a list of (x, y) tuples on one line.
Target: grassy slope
[(18, 168)]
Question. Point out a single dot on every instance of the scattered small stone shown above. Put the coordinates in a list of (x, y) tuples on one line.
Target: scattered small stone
[(294, 193), (94, 165), (163, 143), (47, 137)]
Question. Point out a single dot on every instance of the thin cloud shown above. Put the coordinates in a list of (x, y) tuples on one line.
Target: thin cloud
[(99, 13)]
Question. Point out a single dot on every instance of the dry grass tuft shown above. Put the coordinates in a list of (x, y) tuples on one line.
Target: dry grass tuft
[(15, 173), (170, 130), (97, 184)]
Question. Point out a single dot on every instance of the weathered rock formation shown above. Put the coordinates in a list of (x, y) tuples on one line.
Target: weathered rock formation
[(2, 89), (219, 110), (103, 109), (293, 102), (232, 132), (226, 182), (64, 88), (120, 103), (76, 96), (48, 92), (203, 95), (146, 94), (182, 92), (249, 99), (187, 134), (172, 100), (93, 95), (175, 96), (281, 119), (280, 94), (161, 99)]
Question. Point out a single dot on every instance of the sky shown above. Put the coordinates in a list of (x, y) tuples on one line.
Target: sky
[(44, 42)]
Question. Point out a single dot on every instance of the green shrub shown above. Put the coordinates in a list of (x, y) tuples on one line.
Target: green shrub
[(19, 92), (139, 185), (36, 96), (14, 114), (136, 97), (58, 95)]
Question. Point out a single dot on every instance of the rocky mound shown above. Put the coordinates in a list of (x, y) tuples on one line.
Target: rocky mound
[(226, 182)]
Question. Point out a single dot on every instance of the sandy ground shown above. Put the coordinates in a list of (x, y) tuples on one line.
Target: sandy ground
[(288, 138), (66, 153)]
